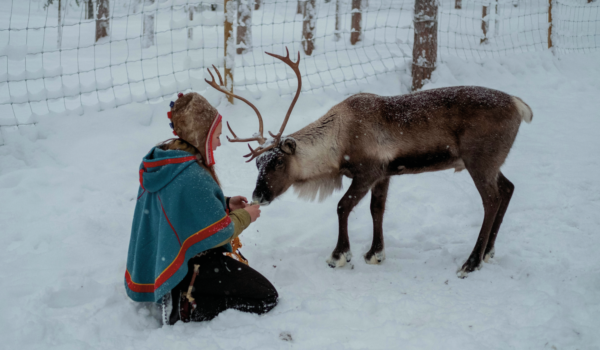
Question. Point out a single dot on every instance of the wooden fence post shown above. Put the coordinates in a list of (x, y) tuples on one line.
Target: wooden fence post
[(308, 26), (425, 42), (458, 4), (244, 26), (549, 24), (229, 59), (484, 25), (356, 31), (102, 24)]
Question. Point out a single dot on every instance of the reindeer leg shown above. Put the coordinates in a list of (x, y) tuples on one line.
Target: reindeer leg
[(488, 189), (505, 189), (341, 254), (379, 192)]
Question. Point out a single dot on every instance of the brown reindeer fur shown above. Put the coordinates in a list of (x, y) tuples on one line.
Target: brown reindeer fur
[(369, 138)]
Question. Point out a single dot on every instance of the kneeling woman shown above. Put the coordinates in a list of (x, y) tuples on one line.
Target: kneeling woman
[(183, 226)]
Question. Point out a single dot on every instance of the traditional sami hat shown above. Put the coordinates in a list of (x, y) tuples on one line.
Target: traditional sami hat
[(194, 120)]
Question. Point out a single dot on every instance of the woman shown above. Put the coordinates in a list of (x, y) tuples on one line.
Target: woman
[(183, 226)]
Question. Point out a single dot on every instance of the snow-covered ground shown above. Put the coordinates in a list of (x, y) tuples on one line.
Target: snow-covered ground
[(67, 200)]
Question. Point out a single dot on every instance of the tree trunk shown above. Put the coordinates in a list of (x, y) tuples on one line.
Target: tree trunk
[(425, 42), (337, 34), (300, 7), (485, 25), (497, 20), (191, 29), (549, 24), (102, 19), (244, 26), (257, 4), (229, 62), (60, 28), (458, 4), (308, 26), (90, 9), (148, 34), (356, 31)]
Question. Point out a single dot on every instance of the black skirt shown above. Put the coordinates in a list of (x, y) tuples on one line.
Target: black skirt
[(222, 283)]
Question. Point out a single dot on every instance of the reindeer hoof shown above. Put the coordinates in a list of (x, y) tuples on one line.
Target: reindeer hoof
[(467, 268), (375, 258), (462, 274), (341, 261), (489, 255)]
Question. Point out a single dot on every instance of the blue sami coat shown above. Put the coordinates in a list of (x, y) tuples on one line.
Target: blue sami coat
[(180, 212)]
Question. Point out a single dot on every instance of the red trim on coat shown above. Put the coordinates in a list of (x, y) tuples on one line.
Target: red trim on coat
[(208, 149), (179, 260), (169, 221), (142, 171), (155, 163), (138, 287)]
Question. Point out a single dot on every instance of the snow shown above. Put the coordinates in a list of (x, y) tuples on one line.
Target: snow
[(68, 184), (68, 195)]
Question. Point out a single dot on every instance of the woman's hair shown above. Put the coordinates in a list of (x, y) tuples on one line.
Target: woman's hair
[(182, 145)]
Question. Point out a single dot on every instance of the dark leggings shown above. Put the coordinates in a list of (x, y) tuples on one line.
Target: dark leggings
[(223, 283)]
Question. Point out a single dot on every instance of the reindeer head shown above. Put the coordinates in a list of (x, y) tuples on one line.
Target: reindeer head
[(274, 175), (272, 160)]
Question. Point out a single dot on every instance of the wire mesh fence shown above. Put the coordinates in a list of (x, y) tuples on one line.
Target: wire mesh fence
[(52, 60)]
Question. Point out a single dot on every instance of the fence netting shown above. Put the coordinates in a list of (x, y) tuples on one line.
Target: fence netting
[(155, 48)]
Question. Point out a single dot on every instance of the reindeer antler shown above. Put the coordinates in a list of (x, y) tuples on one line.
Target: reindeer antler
[(296, 70), (260, 138)]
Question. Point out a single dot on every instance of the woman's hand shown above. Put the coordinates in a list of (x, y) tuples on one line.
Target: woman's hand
[(254, 211), (237, 202)]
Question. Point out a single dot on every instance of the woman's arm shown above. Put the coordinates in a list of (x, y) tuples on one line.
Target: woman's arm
[(241, 220)]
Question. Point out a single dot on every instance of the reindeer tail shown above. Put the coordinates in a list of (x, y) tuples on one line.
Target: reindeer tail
[(524, 109)]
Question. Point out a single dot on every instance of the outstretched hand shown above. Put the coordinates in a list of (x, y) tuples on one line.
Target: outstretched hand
[(237, 202), (254, 211)]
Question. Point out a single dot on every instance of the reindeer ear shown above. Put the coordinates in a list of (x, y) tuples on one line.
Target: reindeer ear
[(288, 146)]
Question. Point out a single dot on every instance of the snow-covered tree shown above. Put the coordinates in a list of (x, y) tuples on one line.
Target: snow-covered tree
[(148, 34), (244, 26), (102, 18)]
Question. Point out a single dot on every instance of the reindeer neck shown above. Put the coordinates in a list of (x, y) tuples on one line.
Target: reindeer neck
[(317, 153)]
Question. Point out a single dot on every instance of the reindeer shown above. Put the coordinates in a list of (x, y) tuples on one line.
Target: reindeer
[(370, 138)]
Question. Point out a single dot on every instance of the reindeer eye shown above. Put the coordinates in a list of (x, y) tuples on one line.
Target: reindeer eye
[(279, 162)]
